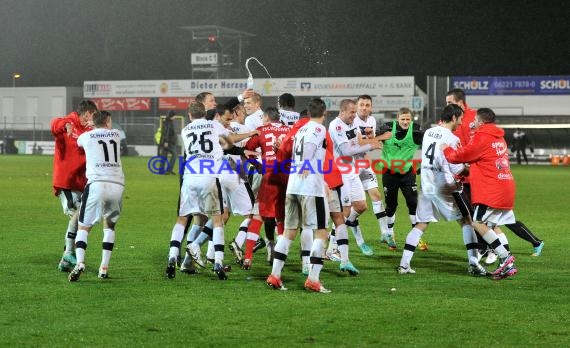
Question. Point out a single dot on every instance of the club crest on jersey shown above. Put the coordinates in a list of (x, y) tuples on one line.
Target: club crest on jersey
[(502, 163)]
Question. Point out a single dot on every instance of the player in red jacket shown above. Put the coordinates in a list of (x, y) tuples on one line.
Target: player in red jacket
[(493, 194), (271, 195), (69, 170), (465, 132)]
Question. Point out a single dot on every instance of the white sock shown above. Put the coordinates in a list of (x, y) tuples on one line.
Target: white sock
[(342, 234), (391, 222), (353, 219), (193, 233), (412, 239), (108, 243), (306, 244), (490, 237), (317, 253), (176, 236), (470, 238), (504, 240), (378, 209), (242, 233), (70, 234), (80, 252), (210, 253), (282, 247), (218, 245), (201, 239)]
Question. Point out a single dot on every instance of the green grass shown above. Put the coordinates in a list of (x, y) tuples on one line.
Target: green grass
[(439, 306)]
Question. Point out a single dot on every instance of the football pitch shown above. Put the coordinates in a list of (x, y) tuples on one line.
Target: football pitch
[(440, 306)]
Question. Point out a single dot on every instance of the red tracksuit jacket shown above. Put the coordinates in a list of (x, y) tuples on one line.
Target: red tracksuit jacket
[(68, 158), (490, 173)]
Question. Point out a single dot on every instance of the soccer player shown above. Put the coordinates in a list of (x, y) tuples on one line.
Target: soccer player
[(184, 224), (254, 119), (254, 112), (208, 99), (346, 147), (465, 132), (273, 184), (287, 111), (441, 192), (398, 152), (200, 230), (69, 178), (367, 125), (333, 179), (236, 190), (493, 193), (237, 126), (200, 194), (306, 205), (103, 195)]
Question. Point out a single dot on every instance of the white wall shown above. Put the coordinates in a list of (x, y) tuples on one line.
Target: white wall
[(26, 108)]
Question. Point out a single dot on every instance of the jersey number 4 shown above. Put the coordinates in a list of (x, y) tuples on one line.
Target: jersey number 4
[(430, 152)]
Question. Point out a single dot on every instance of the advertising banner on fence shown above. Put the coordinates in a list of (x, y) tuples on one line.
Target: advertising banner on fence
[(121, 104), (512, 85), (326, 86), (174, 103)]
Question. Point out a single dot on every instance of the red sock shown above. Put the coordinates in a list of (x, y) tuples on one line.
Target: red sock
[(280, 227), (254, 227)]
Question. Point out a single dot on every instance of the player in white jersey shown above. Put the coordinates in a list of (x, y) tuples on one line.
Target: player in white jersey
[(253, 110), (237, 192), (286, 109), (366, 123), (441, 191), (200, 194), (103, 195), (347, 145), (199, 233), (306, 205)]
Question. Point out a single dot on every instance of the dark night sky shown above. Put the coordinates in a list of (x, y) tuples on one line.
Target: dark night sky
[(64, 42)]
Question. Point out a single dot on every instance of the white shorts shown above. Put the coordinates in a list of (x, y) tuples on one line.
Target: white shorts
[(334, 198), (237, 194), (70, 201), (368, 178), (432, 207), (101, 199), (351, 190), (493, 217), (200, 195), (306, 212)]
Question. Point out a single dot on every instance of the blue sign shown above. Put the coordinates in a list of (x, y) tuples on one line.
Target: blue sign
[(417, 103), (512, 85)]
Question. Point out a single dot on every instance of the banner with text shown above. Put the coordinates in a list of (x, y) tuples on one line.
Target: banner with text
[(512, 85), (326, 86)]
